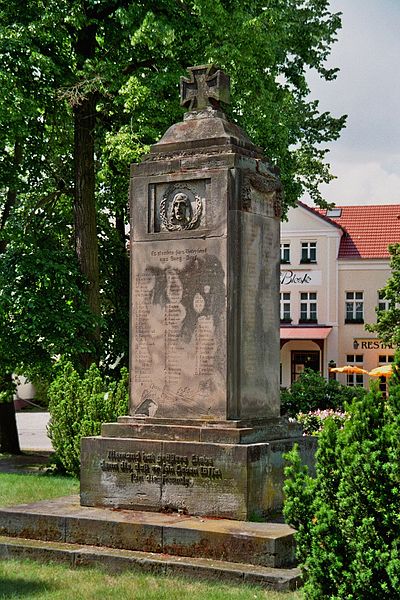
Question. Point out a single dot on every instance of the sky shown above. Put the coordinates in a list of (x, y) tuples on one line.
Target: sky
[(366, 158)]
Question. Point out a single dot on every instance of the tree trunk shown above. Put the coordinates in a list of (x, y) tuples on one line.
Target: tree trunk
[(9, 442), (85, 207)]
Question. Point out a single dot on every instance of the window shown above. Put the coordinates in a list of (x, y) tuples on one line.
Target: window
[(285, 253), (355, 379), (308, 307), (308, 252), (285, 307), (354, 307), (384, 359), (355, 359), (383, 303), (334, 212)]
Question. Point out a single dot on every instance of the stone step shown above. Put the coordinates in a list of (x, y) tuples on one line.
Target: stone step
[(65, 520), (75, 555), (209, 433)]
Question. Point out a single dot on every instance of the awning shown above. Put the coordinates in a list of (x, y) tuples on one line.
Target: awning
[(305, 333)]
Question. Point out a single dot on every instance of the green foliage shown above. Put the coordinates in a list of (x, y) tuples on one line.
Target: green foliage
[(43, 312), (129, 57), (312, 392), (387, 326), (78, 406), (7, 389), (347, 517)]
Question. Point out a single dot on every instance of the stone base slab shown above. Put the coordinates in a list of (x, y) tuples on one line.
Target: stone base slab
[(115, 560), (235, 481), (64, 520), (198, 430)]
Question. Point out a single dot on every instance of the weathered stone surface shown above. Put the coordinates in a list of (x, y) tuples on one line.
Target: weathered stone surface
[(179, 327), (205, 292), (264, 544), (197, 430), (238, 481)]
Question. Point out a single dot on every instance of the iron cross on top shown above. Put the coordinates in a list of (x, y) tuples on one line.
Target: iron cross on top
[(207, 86)]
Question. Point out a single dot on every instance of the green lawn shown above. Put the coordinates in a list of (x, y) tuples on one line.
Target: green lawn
[(37, 581), (22, 489), (30, 580)]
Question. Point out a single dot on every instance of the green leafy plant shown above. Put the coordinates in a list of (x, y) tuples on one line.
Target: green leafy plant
[(78, 406), (312, 392), (347, 516)]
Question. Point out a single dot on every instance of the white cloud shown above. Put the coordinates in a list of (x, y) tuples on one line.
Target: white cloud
[(366, 159), (365, 182)]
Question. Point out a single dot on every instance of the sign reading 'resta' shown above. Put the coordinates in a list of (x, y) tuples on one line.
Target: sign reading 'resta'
[(370, 344), (293, 278)]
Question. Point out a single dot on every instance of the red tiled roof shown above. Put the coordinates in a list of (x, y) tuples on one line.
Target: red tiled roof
[(368, 230)]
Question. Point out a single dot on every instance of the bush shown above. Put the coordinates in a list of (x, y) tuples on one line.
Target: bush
[(347, 517), (78, 406), (312, 392)]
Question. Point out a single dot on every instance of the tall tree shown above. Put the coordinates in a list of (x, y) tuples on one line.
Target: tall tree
[(93, 83), (388, 321)]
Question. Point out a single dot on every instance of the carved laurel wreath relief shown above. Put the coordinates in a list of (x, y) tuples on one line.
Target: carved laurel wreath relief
[(177, 212)]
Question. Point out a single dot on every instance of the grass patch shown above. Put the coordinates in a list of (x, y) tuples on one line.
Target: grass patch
[(38, 581), (23, 489), (30, 580)]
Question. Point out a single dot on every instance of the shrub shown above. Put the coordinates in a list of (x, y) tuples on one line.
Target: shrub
[(312, 392), (78, 406), (347, 517)]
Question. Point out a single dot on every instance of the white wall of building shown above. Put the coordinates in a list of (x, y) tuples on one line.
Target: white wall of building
[(330, 278)]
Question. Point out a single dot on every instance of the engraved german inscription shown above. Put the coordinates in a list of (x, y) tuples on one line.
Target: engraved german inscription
[(179, 301), (161, 469)]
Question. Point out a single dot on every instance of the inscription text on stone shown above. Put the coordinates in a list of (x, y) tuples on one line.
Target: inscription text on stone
[(164, 469)]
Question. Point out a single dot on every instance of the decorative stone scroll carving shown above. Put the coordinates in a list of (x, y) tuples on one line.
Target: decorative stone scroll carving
[(261, 195)]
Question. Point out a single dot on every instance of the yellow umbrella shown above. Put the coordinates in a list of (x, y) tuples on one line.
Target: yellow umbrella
[(349, 369), (383, 371)]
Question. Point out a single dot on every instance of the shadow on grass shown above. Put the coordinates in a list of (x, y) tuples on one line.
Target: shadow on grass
[(17, 587)]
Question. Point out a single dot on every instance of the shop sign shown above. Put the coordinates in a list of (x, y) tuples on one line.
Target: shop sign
[(370, 344), (301, 278)]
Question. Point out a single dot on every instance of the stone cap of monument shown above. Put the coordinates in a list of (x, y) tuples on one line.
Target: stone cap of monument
[(205, 126)]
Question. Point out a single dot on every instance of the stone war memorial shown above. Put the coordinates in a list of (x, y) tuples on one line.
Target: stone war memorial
[(200, 456), (204, 435)]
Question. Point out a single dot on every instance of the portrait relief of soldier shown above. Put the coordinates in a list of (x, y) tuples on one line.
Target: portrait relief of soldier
[(180, 209)]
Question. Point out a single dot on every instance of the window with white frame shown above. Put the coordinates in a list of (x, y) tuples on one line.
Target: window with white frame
[(383, 303), (285, 252), (308, 252), (308, 307), (285, 307), (355, 379), (354, 307)]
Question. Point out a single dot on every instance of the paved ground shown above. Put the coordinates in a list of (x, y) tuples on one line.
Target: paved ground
[(32, 430)]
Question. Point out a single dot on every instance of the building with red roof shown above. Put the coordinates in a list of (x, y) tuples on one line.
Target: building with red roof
[(333, 264)]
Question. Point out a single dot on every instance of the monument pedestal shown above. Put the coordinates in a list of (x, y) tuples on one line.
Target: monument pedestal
[(204, 435), (230, 469)]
